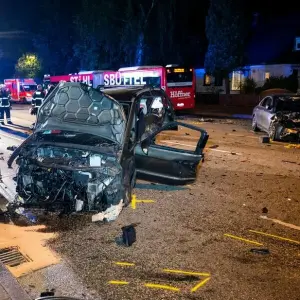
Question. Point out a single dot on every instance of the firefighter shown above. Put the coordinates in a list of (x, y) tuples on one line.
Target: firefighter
[(37, 99), (4, 104)]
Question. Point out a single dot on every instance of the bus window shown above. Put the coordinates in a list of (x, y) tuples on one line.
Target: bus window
[(179, 79)]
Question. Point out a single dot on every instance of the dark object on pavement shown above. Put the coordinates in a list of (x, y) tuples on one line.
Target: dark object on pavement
[(265, 210), (260, 251), (47, 294), (129, 235), (264, 139), (12, 148), (214, 146)]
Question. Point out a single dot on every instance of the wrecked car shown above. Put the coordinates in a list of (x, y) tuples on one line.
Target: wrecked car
[(279, 116), (88, 146)]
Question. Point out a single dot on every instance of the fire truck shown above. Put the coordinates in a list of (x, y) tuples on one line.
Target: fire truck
[(21, 90), (178, 82)]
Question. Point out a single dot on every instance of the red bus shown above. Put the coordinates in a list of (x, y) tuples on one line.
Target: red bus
[(21, 90), (92, 78), (178, 82)]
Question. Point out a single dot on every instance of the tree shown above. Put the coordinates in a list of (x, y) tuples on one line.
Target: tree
[(53, 39), (28, 65), (226, 31)]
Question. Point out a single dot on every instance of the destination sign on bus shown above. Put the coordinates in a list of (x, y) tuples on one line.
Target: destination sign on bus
[(118, 78), (179, 70)]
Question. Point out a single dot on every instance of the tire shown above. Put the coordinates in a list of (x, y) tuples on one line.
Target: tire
[(254, 124), (275, 131)]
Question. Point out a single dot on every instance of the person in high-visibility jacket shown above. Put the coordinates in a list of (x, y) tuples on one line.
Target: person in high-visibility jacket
[(4, 105)]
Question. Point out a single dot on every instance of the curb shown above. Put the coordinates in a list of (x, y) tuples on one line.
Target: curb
[(218, 116)]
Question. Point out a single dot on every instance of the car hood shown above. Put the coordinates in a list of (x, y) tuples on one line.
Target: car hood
[(73, 106)]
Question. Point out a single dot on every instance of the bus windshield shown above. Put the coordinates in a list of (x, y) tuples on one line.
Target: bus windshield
[(179, 79)]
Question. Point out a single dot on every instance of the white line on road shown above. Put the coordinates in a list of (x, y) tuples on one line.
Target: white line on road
[(186, 145), (11, 137), (281, 223)]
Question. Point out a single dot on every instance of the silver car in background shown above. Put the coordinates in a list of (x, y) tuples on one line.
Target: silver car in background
[(279, 116)]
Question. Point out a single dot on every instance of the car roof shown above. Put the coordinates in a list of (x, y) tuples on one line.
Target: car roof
[(128, 94)]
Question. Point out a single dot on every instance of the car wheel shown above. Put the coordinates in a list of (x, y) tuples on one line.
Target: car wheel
[(254, 124), (275, 132)]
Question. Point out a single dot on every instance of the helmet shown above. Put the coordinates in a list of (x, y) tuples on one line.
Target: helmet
[(39, 87)]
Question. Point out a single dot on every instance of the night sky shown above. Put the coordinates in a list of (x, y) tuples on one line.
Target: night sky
[(20, 21)]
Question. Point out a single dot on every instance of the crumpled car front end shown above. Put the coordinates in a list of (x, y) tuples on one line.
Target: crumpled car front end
[(71, 163), (68, 180), (286, 127)]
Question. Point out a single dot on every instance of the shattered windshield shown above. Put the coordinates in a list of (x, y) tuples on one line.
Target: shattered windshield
[(288, 104), (78, 108)]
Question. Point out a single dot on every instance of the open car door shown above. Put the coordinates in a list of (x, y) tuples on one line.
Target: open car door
[(158, 159)]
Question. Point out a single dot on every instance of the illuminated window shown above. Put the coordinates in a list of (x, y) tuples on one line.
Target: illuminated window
[(267, 75), (237, 77), (207, 79)]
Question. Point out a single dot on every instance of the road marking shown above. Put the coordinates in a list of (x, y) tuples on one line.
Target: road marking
[(225, 151), (185, 272), (242, 239), (200, 284), (134, 201), (292, 226), (118, 282), (276, 237), (160, 286), (12, 137), (192, 146), (176, 143), (167, 287), (119, 263)]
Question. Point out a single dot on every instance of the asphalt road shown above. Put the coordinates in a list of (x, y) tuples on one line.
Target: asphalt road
[(195, 242)]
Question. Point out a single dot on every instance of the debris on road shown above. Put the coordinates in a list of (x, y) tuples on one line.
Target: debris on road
[(264, 139), (214, 146), (11, 148), (206, 120), (290, 162), (292, 146), (265, 210), (128, 236), (260, 251)]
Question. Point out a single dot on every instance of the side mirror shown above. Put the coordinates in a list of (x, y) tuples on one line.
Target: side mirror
[(145, 144)]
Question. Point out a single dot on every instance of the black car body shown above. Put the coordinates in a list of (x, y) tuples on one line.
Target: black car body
[(279, 116), (88, 145)]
